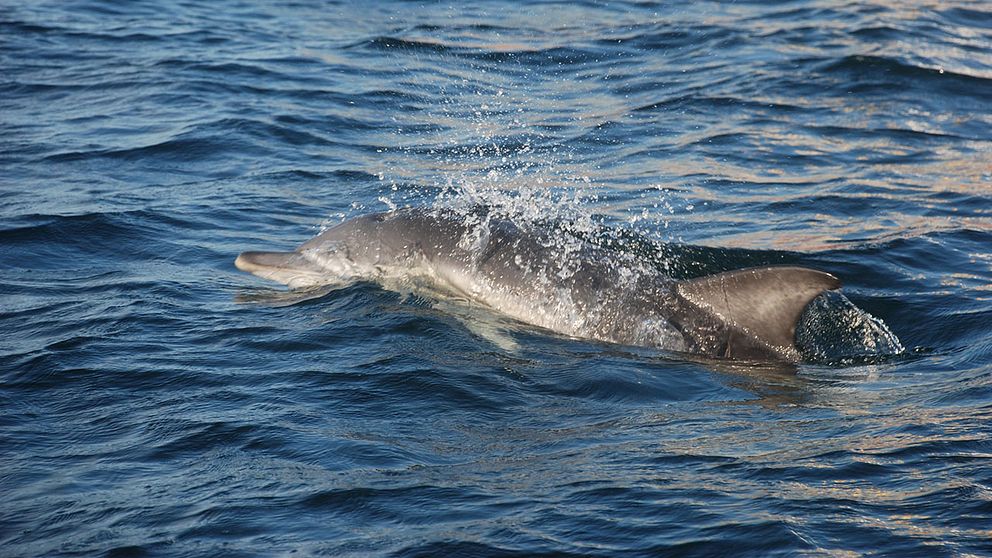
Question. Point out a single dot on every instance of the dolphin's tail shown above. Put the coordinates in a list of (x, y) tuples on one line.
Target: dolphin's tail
[(767, 302), (289, 268)]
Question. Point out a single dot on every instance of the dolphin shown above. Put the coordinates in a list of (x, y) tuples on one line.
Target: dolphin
[(568, 286)]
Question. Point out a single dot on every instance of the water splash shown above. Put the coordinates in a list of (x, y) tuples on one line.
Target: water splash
[(512, 147), (834, 330), (490, 160)]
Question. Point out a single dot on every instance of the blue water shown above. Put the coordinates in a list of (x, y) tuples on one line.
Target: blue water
[(156, 401)]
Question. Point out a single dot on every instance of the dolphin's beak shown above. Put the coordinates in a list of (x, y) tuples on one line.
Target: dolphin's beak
[(289, 268)]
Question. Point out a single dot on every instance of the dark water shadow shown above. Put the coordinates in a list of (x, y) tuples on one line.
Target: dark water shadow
[(277, 298)]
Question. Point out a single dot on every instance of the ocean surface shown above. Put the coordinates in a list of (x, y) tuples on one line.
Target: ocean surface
[(155, 401)]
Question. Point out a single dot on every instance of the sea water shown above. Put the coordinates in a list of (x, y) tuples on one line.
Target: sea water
[(156, 401)]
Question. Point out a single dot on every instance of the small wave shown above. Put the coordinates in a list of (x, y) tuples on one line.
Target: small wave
[(888, 69), (967, 17), (219, 139), (24, 27), (386, 42), (683, 102), (680, 42), (253, 72), (549, 56), (184, 149), (197, 439), (70, 227)]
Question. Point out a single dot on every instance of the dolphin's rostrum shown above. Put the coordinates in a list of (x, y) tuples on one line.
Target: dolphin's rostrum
[(575, 288)]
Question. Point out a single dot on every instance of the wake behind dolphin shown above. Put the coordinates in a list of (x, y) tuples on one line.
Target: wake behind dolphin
[(746, 314)]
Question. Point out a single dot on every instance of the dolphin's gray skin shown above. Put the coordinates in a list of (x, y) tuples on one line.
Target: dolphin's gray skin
[(576, 289)]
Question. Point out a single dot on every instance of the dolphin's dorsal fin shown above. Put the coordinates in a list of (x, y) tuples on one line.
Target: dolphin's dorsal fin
[(766, 302)]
